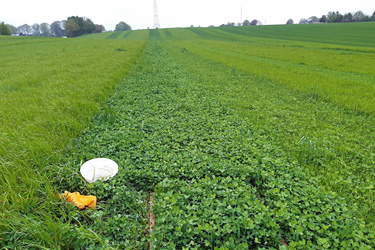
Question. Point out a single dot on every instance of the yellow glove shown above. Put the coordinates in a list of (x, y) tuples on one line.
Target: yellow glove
[(80, 201)]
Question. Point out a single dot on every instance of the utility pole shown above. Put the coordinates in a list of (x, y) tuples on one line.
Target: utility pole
[(156, 16)]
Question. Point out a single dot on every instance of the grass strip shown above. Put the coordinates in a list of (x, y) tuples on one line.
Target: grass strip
[(50, 89)]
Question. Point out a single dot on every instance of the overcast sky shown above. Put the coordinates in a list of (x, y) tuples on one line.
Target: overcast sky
[(174, 13)]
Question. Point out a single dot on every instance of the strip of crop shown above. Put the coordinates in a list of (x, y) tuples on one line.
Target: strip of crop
[(116, 35), (140, 35), (218, 182), (351, 34), (350, 61), (155, 34), (103, 35), (335, 144), (351, 92), (180, 34), (128, 33)]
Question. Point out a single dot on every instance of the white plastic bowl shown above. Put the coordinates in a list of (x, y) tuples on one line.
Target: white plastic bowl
[(98, 169)]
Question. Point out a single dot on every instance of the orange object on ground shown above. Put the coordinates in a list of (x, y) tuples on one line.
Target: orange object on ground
[(80, 201)]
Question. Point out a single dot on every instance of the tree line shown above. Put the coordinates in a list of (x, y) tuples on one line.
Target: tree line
[(78, 26), (72, 27), (337, 17), (244, 23)]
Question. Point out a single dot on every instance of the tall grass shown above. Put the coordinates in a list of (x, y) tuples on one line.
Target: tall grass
[(51, 88)]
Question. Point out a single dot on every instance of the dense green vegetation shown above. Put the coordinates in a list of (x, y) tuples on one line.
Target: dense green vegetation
[(4, 29), (50, 89), (330, 130), (346, 34), (249, 137)]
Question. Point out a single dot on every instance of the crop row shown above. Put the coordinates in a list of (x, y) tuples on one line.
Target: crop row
[(332, 142), (217, 181), (348, 34), (351, 89)]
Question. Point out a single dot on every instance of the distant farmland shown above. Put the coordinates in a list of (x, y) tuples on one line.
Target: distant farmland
[(243, 137)]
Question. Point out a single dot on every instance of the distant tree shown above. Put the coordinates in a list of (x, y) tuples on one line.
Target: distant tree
[(254, 22), (71, 28), (13, 29), (45, 29), (347, 18), (56, 29), (228, 24), (366, 18), (4, 29), (313, 19), (290, 21), (359, 16), (36, 29), (331, 17), (246, 23), (334, 17), (77, 26), (338, 17), (323, 19), (303, 21), (122, 26), (25, 29), (99, 28), (88, 26)]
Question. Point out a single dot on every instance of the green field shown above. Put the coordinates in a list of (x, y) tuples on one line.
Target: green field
[(247, 137)]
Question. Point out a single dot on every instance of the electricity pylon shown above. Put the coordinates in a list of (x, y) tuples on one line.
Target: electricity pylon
[(156, 17)]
